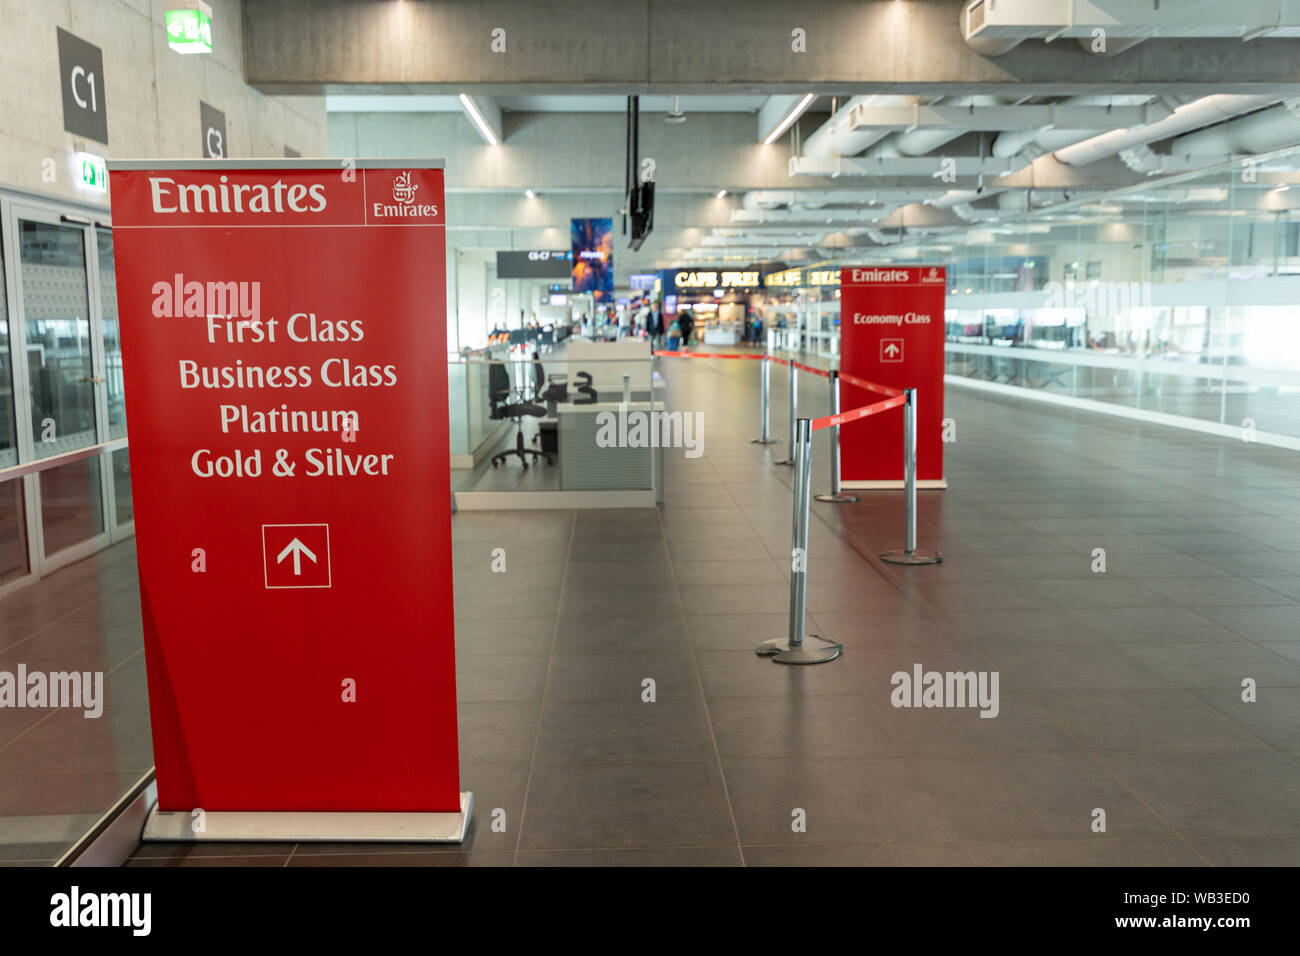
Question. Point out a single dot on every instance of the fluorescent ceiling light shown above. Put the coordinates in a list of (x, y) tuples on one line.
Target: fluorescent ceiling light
[(484, 129), (530, 194), (722, 194), (790, 117)]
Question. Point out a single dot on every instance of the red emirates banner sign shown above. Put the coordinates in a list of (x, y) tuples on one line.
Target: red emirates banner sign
[(283, 337), (892, 333)]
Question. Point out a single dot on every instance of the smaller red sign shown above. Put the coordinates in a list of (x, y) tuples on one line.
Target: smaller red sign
[(892, 333), (296, 555)]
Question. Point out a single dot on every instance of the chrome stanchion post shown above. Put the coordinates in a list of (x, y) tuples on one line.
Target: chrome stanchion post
[(766, 399), (836, 496), (794, 649), (910, 554), (794, 411)]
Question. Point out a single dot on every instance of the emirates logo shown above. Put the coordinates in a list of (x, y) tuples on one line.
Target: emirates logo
[(403, 189)]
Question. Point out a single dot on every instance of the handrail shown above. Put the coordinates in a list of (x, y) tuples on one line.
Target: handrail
[(57, 461)]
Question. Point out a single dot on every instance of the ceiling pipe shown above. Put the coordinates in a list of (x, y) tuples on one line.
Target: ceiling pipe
[(808, 198), (1035, 143), (1202, 112), (954, 197), (787, 217), (1257, 133), (918, 142)]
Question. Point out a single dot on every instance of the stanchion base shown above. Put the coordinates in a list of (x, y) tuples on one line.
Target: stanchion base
[(912, 557), (764, 441), (837, 497), (805, 653)]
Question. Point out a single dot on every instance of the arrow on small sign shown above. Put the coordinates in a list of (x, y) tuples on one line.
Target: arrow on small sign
[(297, 549), (891, 349)]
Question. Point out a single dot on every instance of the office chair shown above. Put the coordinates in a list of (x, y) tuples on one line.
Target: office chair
[(502, 407)]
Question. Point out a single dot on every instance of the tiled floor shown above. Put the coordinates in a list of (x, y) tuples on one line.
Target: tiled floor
[(1120, 691)]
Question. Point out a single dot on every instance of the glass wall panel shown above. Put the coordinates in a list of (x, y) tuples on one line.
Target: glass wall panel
[(112, 338), (122, 485), (8, 420), (72, 508), (57, 323), (13, 531)]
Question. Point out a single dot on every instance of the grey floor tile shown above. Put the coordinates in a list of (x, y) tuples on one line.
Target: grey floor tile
[(1020, 726), (1100, 850), (620, 675), (655, 856), (744, 674), (1039, 667), (657, 631), (989, 627), (1273, 717), (508, 636), (1213, 592), (1277, 623), (1236, 794), (1207, 542), (1099, 591), (622, 805), (1217, 665), (813, 726), (489, 677), (736, 632), (870, 800), (1144, 721), (671, 728), (859, 854), (1032, 797), (1155, 625), (1249, 852), (343, 856), (497, 731)]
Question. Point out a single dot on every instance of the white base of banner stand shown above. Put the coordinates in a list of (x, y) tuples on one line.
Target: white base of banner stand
[(893, 484), (311, 826)]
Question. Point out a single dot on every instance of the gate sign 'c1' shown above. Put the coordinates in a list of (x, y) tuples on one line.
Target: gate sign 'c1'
[(81, 77)]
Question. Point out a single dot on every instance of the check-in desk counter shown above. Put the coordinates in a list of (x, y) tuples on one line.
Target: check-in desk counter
[(586, 466)]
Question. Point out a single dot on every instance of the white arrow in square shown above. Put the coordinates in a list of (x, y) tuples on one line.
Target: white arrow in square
[(891, 349), (297, 549)]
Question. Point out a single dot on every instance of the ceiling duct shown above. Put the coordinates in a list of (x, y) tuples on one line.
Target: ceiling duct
[(837, 137), (1194, 115), (1107, 27), (1030, 144), (1257, 133), (918, 142), (809, 198)]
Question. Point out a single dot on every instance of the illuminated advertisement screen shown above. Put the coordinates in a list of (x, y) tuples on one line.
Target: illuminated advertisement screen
[(593, 255)]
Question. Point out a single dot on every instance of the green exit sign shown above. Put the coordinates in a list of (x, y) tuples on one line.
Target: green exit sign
[(94, 172), (189, 31)]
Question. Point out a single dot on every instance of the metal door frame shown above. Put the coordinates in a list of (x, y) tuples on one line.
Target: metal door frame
[(49, 213)]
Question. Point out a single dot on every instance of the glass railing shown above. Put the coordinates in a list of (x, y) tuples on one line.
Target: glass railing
[(74, 728), (572, 417)]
